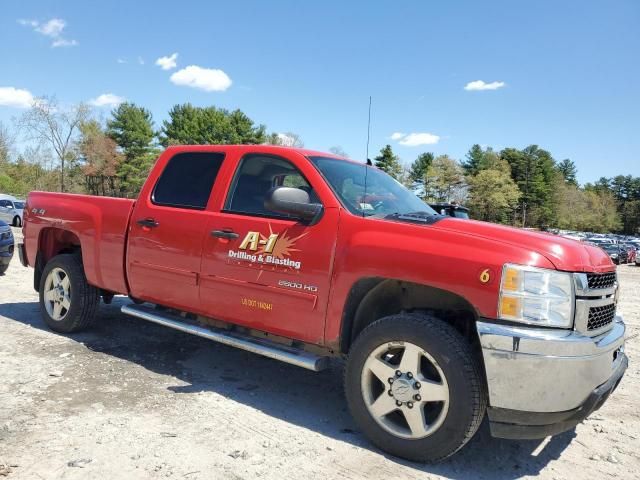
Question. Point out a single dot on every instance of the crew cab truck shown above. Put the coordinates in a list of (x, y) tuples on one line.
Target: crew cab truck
[(284, 253)]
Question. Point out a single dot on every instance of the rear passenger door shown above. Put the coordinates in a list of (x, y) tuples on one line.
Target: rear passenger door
[(167, 229)]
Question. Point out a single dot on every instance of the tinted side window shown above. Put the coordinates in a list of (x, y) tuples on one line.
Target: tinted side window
[(187, 180), (256, 175), (4, 203)]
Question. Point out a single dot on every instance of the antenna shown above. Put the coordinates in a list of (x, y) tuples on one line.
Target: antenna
[(368, 130), (366, 168)]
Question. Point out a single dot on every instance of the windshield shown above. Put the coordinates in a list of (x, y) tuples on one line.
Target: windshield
[(458, 213), (610, 248), (384, 196), (19, 205)]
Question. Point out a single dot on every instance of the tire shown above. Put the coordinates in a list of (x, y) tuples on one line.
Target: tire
[(3, 269), (447, 364), (17, 222), (78, 301)]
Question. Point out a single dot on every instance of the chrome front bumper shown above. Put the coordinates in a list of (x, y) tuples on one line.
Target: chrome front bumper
[(539, 371)]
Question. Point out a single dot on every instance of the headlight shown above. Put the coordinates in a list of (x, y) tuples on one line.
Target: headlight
[(536, 296)]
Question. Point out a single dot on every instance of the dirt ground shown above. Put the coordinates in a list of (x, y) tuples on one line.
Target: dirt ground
[(131, 399)]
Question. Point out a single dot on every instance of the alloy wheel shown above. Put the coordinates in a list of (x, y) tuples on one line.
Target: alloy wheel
[(405, 390)]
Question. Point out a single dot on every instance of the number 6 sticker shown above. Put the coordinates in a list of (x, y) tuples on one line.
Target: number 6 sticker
[(485, 276)]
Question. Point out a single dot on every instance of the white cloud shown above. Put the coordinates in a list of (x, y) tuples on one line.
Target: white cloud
[(167, 63), (53, 29), (63, 42), (121, 60), (15, 97), (28, 23), (415, 139), (207, 79), (481, 85), (107, 100)]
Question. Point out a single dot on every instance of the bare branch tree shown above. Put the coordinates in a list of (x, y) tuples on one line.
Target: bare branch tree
[(338, 150), (46, 122), (286, 139), (6, 143)]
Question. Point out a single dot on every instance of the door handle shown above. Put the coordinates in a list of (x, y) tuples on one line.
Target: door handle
[(148, 222), (228, 234)]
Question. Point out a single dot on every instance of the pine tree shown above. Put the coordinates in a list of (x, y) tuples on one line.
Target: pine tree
[(131, 127), (569, 171), (534, 171), (388, 162), (474, 161), (189, 125)]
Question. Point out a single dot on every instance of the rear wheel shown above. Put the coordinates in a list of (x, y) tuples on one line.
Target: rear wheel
[(3, 269), (17, 221), (67, 302), (415, 387)]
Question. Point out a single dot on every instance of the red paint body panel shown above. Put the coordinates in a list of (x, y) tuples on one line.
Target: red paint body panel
[(226, 282), (99, 223), (179, 264)]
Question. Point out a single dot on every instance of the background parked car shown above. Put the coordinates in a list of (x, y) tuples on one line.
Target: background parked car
[(632, 251), (6, 246), (11, 210), (616, 252), (450, 209)]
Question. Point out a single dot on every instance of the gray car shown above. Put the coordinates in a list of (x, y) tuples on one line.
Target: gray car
[(6, 246), (11, 211)]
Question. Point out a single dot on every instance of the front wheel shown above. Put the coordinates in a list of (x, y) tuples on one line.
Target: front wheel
[(415, 387), (67, 302), (17, 221)]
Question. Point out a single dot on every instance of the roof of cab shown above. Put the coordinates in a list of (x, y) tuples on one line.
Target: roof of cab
[(258, 148)]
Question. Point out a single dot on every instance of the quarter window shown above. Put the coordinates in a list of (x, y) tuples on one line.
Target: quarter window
[(187, 180)]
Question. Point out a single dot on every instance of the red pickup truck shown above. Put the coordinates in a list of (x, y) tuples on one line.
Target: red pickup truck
[(303, 256)]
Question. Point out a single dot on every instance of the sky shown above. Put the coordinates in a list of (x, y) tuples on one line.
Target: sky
[(442, 75)]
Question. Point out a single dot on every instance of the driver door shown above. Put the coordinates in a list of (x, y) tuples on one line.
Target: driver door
[(265, 270)]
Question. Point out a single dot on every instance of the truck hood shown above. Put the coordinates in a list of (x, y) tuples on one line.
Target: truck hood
[(565, 254)]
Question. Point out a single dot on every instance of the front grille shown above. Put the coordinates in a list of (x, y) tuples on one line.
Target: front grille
[(601, 316), (601, 280)]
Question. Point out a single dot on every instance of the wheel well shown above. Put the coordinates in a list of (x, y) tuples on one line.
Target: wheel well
[(374, 298), (52, 242)]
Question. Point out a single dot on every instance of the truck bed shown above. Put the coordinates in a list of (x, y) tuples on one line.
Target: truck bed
[(98, 224)]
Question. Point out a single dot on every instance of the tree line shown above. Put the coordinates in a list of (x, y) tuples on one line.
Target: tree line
[(71, 150), (522, 187)]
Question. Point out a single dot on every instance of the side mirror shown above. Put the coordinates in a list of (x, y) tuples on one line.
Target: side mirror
[(292, 201)]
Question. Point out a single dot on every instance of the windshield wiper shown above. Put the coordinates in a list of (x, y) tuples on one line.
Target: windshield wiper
[(422, 217), (414, 216)]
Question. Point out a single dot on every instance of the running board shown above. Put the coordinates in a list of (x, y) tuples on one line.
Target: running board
[(284, 353)]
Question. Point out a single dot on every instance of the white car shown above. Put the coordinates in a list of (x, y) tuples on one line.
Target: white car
[(11, 210)]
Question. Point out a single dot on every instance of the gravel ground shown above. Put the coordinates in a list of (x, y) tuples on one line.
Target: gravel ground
[(131, 399)]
